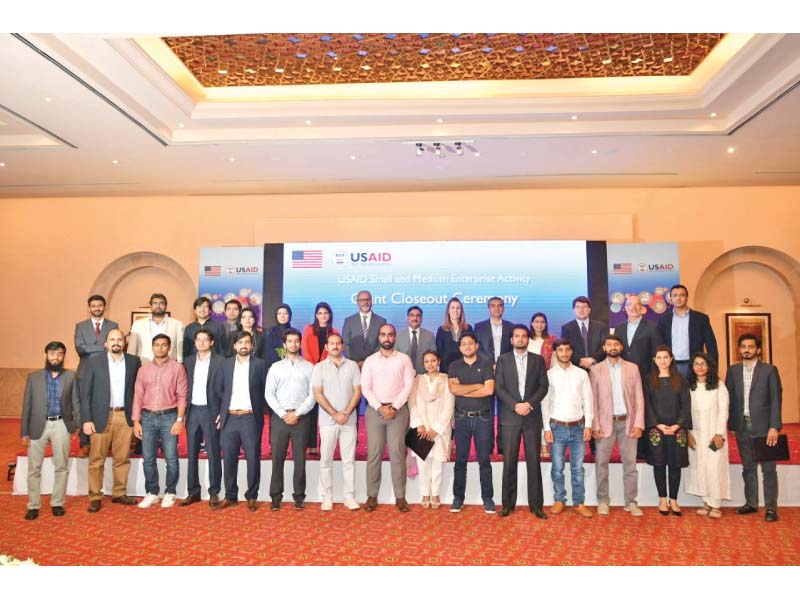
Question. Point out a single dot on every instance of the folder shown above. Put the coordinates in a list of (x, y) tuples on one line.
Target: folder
[(779, 451), (421, 446)]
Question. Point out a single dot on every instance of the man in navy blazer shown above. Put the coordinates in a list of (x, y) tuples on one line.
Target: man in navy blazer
[(202, 367), (488, 332), (237, 405), (588, 346), (521, 417), (755, 392), (106, 406), (686, 331)]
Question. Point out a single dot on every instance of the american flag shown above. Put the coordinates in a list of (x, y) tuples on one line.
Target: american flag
[(212, 271), (623, 268), (306, 259)]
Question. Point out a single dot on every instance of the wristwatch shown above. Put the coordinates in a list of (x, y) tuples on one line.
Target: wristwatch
[(179, 419)]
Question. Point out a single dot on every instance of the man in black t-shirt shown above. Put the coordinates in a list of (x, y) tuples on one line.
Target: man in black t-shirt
[(471, 380)]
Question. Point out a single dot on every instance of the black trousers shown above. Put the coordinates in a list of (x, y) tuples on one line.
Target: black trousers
[(313, 422), (660, 474), (199, 427), (279, 435), (241, 431), (531, 435)]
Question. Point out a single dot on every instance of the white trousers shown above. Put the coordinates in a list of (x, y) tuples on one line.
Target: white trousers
[(430, 475), (346, 436)]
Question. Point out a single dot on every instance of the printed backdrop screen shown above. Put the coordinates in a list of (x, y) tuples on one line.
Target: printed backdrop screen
[(530, 276)]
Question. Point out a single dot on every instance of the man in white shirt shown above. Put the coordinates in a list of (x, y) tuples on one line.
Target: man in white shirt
[(567, 412), (144, 330), (336, 384), (289, 395)]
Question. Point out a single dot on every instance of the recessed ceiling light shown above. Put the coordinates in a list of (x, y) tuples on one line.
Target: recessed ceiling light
[(594, 151), (636, 61), (440, 120), (2, 164), (308, 121), (222, 71), (425, 66), (476, 154), (48, 99), (181, 125), (232, 159), (668, 59), (731, 150), (278, 70), (574, 117), (366, 67), (251, 71), (607, 61), (352, 157), (712, 115), (337, 68), (115, 161)]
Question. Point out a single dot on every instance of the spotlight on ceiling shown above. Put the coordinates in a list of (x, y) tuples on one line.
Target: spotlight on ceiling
[(437, 150), (459, 149), (420, 149)]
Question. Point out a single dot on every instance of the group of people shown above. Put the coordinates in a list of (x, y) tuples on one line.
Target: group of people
[(652, 389)]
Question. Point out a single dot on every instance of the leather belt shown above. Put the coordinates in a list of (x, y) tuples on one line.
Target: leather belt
[(58, 418), (566, 423), (117, 409), (620, 417), (160, 412), (240, 412), (473, 413)]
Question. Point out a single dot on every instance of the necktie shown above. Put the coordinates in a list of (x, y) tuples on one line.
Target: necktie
[(97, 329), (414, 347), (364, 326), (585, 336)]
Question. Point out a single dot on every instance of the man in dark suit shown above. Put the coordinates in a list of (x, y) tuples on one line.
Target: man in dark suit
[(640, 337), (521, 385), (237, 405), (494, 339), (755, 411), (414, 340), (686, 331), (106, 389), (585, 335), (202, 367), (49, 408), (360, 331)]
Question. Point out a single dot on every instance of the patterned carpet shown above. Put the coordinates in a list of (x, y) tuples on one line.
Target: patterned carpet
[(121, 535)]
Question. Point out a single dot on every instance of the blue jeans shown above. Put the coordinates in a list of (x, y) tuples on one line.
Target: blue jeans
[(155, 426), (564, 437), (481, 429)]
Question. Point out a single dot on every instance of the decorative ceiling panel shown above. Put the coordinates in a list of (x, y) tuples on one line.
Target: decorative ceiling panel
[(305, 59)]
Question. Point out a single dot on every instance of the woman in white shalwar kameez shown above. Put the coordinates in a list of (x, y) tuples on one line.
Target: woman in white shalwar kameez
[(709, 470), (431, 404)]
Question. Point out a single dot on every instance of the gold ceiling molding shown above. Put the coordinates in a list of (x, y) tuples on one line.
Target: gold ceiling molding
[(248, 60)]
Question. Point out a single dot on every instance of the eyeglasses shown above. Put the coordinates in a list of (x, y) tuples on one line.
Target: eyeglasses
[(364, 300), (700, 364)]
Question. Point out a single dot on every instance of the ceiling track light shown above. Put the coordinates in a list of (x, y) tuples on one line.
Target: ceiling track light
[(459, 149), (441, 148), (437, 150), (420, 149)]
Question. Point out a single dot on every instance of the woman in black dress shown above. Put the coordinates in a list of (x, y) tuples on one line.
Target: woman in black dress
[(247, 322), (448, 336), (668, 417)]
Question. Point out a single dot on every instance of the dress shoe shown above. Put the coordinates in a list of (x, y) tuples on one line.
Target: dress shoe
[(506, 511), (252, 504), (94, 506), (227, 503), (402, 505), (372, 503), (299, 503), (663, 507), (746, 510), (275, 504), (634, 509), (583, 511), (673, 506), (213, 501), (126, 500), (189, 500), (31, 514), (602, 508), (540, 514), (557, 508), (58, 511), (771, 516)]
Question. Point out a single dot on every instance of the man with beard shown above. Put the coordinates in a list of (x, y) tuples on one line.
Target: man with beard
[(237, 405), (202, 313), (360, 331), (159, 404), (386, 381), (755, 411), (233, 309), (107, 386), (50, 407), (143, 331), (618, 414), (288, 394)]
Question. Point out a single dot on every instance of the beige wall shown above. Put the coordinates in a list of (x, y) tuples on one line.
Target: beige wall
[(54, 249)]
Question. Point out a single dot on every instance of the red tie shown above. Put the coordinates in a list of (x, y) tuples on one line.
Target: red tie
[(97, 329)]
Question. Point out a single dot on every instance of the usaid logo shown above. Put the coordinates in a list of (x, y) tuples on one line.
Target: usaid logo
[(371, 257)]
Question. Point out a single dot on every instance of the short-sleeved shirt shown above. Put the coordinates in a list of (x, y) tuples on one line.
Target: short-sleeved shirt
[(480, 371), (338, 384)]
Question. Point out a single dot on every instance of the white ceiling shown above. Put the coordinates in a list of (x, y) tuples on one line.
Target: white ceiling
[(66, 146)]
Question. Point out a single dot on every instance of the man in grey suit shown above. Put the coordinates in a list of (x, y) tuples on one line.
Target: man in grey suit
[(106, 388), (360, 331), (90, 335), (755, 393), (49, 409), (415, 341), (521, 384)]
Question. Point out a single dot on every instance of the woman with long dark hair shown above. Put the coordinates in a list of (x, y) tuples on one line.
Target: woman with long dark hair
[(668, 416), (448, 336), (247, 322), (541, 341), (709, 473)]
